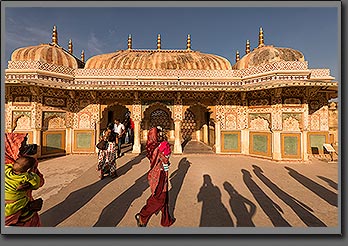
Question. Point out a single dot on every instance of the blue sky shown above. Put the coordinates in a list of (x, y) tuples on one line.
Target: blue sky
[(220, 30)]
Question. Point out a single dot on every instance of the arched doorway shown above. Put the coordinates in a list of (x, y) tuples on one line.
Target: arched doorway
[(197, 127), (111, 113), (157, 114)]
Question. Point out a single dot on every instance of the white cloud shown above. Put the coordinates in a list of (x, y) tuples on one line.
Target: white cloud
[(94, 45)]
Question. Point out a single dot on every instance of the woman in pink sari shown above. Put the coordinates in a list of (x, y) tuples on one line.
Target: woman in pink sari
[(15, 147), (158, 152)]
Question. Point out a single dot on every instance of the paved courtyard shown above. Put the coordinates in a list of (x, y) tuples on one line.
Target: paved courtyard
[(206, 190)]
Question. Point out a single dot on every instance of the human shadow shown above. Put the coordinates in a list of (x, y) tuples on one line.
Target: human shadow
[(129, 165), (176, 180), (77, 199), (329, 182), (74, 201), (325, 194), (239, 206), (270, 208), (113, 213), (301, 209), (214, 213)]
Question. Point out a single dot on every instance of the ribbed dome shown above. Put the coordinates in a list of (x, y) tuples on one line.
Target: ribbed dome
[(158, 59), (268, 54), (49, 53)]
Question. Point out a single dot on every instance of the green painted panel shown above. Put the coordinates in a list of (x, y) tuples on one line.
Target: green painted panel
[(316, 143), (54, 142), (290, 145), (231, 141), (84, 140), (260, 143)]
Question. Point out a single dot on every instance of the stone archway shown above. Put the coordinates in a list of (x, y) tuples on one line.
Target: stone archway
[(196, 125), (157, 114), (112, 112)]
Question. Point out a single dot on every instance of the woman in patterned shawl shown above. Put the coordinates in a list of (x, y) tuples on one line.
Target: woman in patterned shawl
[(15, 147), (107, 157), (158, 152)]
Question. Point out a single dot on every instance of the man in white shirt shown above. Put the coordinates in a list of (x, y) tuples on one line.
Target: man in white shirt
[(119, 129)]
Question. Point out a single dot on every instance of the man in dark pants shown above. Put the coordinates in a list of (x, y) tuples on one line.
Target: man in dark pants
[(119, 129)]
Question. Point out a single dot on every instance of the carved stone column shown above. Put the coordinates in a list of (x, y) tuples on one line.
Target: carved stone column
[(177, 123), (205, 133), (277, 124), (177, 136), (220, 117), (137, 119)]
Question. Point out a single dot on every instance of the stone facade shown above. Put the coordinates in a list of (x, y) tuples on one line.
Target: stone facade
[(277, 110)]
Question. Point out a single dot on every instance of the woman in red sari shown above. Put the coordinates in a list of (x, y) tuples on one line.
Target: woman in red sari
[(15, 147), (158, 152)]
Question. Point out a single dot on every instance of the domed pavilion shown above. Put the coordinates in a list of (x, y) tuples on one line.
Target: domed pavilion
[(267, 104)]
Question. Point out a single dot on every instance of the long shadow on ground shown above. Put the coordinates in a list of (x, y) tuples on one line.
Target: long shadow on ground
[(176, 180), (271, 209), (325, 194), (77, 199), (214, 213), (301, 209), (113, 213), (329, 182), (239, 206)]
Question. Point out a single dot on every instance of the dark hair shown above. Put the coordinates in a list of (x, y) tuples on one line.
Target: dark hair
[(23, 163), (110, 126)]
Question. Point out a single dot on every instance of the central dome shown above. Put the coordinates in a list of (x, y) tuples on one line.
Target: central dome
[(158, 59)]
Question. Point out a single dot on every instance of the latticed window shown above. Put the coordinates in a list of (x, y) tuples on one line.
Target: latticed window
[(161, 118), (188, 125)]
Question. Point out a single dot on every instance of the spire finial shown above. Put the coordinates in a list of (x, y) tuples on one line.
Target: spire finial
[(188, 45), (247, 47), (55, 35), (261, 40), (237, 56), (129, 42), (83, 56), (159, 41), (70, 47)]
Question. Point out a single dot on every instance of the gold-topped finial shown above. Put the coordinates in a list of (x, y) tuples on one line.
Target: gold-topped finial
[(83, 56), (55, 35), (159, 41), (129, 42), (70, 47), (188, 45), (247, 47), (261, 40), (237, 56)]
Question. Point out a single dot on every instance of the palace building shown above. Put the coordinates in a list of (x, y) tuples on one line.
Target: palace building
[(267, 104)]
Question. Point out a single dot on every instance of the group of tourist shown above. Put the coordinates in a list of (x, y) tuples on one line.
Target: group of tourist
[(158, 152), (22, 175), (110, 142)]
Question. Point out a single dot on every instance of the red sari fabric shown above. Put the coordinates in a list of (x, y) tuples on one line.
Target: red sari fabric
[(13, 142), (158, 181)]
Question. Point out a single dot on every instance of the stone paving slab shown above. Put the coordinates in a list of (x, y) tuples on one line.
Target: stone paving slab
[(205, 191)]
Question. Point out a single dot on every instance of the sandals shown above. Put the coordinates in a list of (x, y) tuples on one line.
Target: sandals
[(137, 218)]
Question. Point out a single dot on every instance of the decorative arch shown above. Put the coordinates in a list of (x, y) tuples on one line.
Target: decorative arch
[(158, 114), (111, 112), (259, 124), (22, 122), (196, 123), (54, 122)]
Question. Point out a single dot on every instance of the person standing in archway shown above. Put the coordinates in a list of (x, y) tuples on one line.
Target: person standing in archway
[(119, 129)]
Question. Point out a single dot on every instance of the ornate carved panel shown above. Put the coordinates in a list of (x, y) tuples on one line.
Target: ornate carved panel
[(188, 125), (54, 120)]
